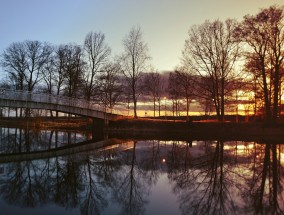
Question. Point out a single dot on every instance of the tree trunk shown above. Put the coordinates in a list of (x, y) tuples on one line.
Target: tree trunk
[(154, 106), (159, 102), (187, 108), (135, 105), (266, 95), (222, 99), (276, 93)]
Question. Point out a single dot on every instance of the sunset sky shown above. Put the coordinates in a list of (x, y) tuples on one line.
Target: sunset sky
[(164, 22)]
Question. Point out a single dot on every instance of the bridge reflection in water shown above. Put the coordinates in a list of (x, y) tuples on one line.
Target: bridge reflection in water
[(133, 177), (81, 147)]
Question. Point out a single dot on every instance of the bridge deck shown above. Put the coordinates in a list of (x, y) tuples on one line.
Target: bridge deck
[(24, 99)]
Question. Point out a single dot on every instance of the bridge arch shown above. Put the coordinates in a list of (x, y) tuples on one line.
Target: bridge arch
[(25, 99)]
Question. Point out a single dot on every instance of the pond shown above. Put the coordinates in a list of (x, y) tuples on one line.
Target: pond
[(60, 172)]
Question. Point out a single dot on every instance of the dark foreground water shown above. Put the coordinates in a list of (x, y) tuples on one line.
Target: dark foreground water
[(51, 172)]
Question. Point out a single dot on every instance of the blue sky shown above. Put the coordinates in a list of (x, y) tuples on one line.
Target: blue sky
[(164, 22)]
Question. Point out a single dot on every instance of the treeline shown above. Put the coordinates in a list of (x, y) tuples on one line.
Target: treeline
[(232, 57), (83, 71), (221, 62)]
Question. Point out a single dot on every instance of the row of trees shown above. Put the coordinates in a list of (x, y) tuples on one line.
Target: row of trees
[(222, 60), (219, 60), (83, 71), (213, 53)]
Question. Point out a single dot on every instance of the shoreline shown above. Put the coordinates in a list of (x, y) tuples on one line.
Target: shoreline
[(200, 130), (47, 122), (154, 129)]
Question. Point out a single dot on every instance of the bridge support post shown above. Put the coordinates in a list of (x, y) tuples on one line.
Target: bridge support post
[(106, 124), (99, 126), (100, 123)]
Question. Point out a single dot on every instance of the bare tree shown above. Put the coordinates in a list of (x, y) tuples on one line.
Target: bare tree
[(97, 52), (13, 60), (73, 69), (276, 45), (264, 33), (59, 64), (48, 73), (134, 61), (24, 62), (174, 90), (110, 86), (253, 68), (186, 87), (153, 87), (36, 58), (210, 52)]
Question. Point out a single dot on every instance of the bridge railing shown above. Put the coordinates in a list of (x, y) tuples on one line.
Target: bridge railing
[(19, 95)]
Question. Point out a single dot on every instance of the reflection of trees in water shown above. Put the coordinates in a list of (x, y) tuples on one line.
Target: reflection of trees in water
[(68, 183), (83, 180), (98, 172), (179, 159), (133, 182), (265, 192), (23, 185), (13, 140), (225, 182), (150, 162), (129, 190), (203, 184), (17, 140), (94, 200), (209, 178), (8, 139)]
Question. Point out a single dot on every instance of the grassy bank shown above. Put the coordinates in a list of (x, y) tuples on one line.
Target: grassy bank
[(47, 122), (160, 129), (198, 130)]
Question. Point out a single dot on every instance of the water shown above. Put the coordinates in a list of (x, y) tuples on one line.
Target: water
[(56, 172)]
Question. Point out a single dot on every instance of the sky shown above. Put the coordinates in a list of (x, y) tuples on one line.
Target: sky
[(164, 22)]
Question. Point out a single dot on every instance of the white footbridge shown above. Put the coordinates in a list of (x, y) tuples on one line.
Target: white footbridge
[(26, 99)]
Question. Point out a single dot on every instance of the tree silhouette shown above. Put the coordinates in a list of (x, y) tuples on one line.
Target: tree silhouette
[(134, 61), (264, 33), (210, 52), (97, 52)]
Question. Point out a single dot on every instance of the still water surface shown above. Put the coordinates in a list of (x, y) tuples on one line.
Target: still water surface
[(56, 172)]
